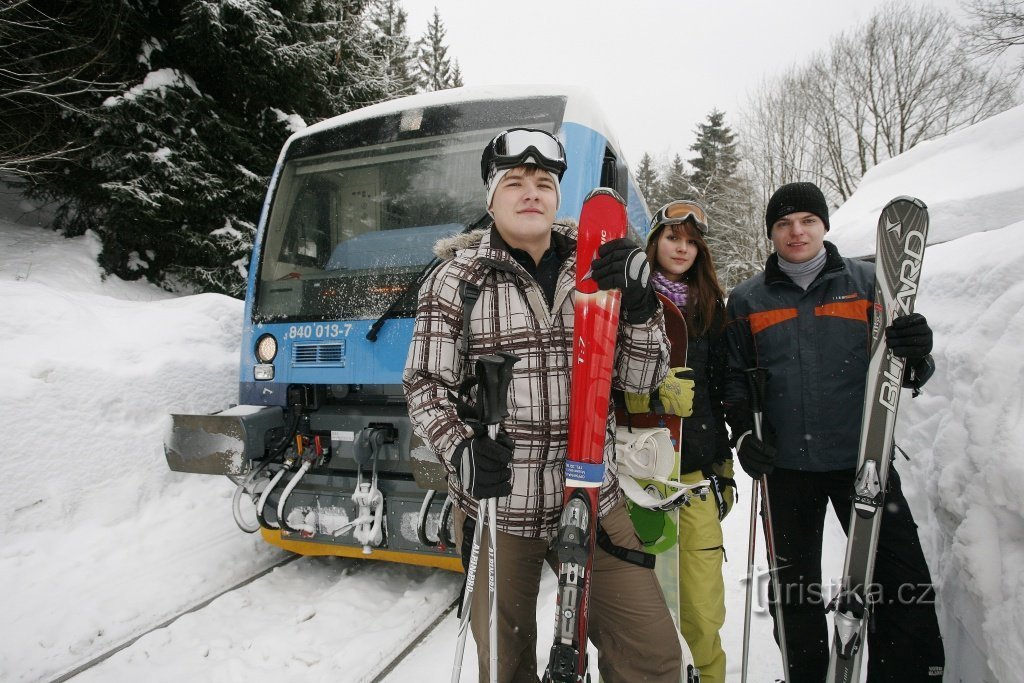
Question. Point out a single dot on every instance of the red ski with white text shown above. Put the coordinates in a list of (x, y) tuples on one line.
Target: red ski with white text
[(595, 329)]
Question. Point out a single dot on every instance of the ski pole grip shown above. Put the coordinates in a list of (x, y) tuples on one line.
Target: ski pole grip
[(756, 378), (494, 373)]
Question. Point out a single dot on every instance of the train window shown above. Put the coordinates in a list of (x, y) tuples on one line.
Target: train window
[(349, 230)]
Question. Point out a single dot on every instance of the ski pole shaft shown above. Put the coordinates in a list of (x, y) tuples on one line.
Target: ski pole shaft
[(492, 589), (773, 567), (467, 603), (756, 378), (493, 374), (751, 542)]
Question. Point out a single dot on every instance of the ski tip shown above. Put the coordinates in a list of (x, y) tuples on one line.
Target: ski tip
[(907, 198), (598, 191)]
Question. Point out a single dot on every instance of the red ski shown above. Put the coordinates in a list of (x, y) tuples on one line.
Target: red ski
[(602, 219)]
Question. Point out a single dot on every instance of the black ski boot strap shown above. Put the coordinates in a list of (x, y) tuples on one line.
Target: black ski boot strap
[(637, 557)]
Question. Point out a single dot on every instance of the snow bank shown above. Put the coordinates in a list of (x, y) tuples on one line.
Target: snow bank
[(970, 180), (99, 536)]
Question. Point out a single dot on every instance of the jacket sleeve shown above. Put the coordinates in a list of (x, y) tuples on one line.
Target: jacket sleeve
[(739, 355), (717, 373), (642, 355), (435, 366)]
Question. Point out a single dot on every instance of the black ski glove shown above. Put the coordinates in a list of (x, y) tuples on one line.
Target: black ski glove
[(723, 486), (916, 375), (756, 457), (620, 264), (909, 337), (482, 465)]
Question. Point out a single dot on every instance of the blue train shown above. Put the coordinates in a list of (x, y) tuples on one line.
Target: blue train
[(320, 445)]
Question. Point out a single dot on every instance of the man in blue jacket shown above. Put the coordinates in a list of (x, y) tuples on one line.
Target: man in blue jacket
[(807, 319)]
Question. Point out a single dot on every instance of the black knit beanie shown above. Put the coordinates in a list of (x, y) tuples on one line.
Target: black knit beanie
[(796, 197)]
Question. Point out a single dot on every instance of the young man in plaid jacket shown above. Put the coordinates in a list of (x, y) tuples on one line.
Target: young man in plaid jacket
[(523, 268)]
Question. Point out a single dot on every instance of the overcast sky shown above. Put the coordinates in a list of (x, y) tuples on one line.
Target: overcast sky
[(656, 67)]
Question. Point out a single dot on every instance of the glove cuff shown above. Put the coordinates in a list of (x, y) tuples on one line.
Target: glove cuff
[(642, 311), (919, 373)]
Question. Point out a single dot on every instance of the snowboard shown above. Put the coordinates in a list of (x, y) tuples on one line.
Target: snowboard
[(595, 330), (902, 234), (659, 530)]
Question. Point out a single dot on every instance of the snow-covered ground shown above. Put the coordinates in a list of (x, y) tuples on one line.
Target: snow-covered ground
[(102, 541)]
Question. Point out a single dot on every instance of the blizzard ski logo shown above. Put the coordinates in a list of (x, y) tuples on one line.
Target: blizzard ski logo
[(910, 270)]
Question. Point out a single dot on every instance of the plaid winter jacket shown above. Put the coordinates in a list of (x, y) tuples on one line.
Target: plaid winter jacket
[(511, 315)]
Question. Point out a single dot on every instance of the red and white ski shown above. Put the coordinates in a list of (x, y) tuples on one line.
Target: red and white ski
[(595, 329)]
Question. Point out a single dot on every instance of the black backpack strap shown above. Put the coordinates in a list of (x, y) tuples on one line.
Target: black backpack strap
[(637, 557), (470, 293)]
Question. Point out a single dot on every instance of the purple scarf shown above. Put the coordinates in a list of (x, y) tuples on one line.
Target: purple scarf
[(675, 291)]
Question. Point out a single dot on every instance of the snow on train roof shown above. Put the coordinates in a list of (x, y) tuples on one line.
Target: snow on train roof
[(580, 106)]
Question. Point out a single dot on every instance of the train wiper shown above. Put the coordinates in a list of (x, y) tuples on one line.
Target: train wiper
[(417, 282)]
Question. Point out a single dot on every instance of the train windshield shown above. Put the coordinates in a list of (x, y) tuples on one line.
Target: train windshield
[(349, 231), (358, 207)]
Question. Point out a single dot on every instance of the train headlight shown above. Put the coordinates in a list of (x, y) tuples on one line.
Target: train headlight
[(266, 348)]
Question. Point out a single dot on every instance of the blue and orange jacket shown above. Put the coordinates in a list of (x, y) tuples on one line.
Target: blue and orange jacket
[(815, 345)]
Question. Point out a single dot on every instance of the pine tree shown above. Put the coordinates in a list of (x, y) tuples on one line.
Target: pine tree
[(738, 244), (717, 159), (457, 76), (178, 162), (394, 46), (434, 67), (58, 58), (648, 182), (675, 182)]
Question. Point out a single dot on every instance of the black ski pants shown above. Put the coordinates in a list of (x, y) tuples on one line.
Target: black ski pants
[(904, 644)]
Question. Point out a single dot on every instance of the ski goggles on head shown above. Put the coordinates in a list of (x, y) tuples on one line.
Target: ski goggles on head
[(680, 211), (518, 146)]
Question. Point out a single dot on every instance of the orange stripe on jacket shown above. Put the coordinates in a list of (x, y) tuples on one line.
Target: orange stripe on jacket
[(765, 319), (854, 310)]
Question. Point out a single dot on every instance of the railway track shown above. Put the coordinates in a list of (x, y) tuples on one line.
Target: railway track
[(304, 618), (194, 608)]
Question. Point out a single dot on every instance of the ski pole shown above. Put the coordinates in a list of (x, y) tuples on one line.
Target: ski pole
[(751, 543), (493, 374), (756, 378)]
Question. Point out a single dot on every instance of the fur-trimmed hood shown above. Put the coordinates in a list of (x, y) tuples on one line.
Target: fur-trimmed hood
[(447, 247)]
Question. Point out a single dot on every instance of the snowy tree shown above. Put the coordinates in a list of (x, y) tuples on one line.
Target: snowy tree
[(55, 58), (457, 76), (675, 183), (394, 46), (647, 180), (434, 70), (716, 160), (177, 161), (735, 237)]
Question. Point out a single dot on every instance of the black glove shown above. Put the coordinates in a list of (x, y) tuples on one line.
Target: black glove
[(756, 457), (915, 376), (909, 337), (620, 264), (482, 465), (723, 486)]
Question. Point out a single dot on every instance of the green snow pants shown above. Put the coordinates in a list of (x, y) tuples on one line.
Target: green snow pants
[(701, 586)]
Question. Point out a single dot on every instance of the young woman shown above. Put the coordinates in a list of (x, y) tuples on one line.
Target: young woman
[(683, 271)]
